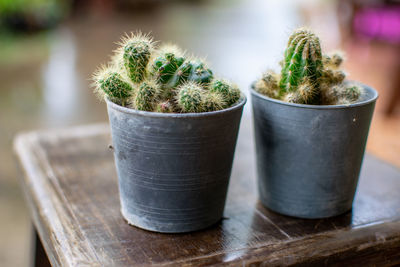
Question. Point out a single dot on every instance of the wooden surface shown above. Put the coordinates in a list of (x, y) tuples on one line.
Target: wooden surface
[(70, 186)]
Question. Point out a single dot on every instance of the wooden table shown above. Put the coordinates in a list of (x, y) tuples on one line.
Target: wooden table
[(70, 186)]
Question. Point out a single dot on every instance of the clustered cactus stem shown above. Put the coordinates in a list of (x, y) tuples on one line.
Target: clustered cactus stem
[(307, 76), (142, 77)]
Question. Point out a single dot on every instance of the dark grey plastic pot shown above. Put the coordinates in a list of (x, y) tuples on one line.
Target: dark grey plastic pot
[(173, 169), (309, 157)]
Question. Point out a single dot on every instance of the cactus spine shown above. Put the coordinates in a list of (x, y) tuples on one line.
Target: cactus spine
[(164, 80), (307, 76)]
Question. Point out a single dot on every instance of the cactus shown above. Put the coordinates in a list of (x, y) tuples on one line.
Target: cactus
[(268, 84), (307, 76), (136, 52), (200, 73), (302, 63), (109, 83), (144, 77), (189, 98), (212, 101), (230, 93), (333, 60), (146, 96), (193, 98), (172, 68), (168, 69)]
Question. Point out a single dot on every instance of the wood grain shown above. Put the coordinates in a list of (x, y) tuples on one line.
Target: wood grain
[(70, 185)]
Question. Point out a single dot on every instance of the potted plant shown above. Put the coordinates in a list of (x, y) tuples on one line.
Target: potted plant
[(174, 128), (311, 127)]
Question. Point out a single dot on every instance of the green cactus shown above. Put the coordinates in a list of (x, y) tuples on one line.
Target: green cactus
[(109, 83), (146, 95), (200, 73), (302, 62), (171, 82), (307, 76), (230, 93), (172, 69), (212, 101), (136, 52), (169, 68), (189, 97)]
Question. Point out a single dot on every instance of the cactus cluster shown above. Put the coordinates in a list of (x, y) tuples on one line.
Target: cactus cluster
[(143, 77), (308, 76)]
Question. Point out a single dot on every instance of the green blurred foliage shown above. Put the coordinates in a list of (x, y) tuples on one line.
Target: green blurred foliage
[(30, 15)]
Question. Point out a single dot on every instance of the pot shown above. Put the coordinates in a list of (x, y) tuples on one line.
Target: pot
[(173, 169), (309, 156)]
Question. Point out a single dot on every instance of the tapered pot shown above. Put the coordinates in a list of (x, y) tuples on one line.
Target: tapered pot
[(173, 169), (308, 156)]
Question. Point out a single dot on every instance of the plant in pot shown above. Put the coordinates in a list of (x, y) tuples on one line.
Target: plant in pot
[(174, 128), (311, 127)]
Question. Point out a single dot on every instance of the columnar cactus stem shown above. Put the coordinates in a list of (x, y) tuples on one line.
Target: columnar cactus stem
[(303, 60)]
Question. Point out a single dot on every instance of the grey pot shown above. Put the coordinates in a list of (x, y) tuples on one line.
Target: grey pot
[(173, 169), (308, 156)]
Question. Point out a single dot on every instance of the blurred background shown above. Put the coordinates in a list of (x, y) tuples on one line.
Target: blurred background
[(49, 49)]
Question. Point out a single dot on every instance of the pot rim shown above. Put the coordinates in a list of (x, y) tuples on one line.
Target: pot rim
[(238, 105), (324, 107)]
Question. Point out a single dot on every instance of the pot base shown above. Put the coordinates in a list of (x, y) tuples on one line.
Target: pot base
[(151, 225), (299, 212)]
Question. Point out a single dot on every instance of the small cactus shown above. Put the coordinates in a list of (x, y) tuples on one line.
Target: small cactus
[(212, 101), (200, 73), (230, 93), (136, 52), (109, 83), (268, 84), (167, 68), (144, 77), (307, 76), (333, 76), (189, 98), (145, 96), (333, 60)]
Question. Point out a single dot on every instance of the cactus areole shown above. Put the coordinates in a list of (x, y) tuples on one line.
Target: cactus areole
[(144, 77)]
